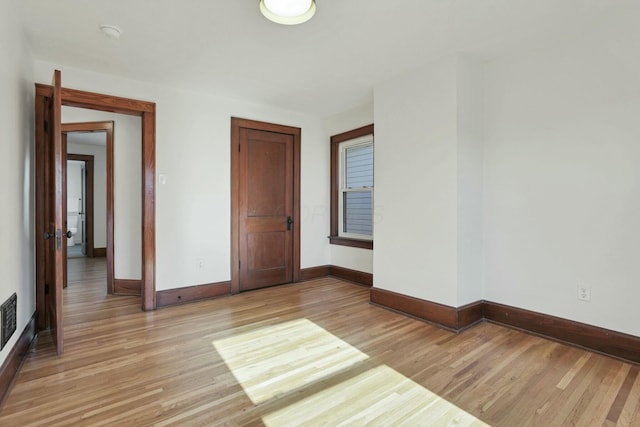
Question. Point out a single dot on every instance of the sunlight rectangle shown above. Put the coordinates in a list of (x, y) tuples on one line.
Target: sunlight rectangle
[(273, 360), (378, 397)]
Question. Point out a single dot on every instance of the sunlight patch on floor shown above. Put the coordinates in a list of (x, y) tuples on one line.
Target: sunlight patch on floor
[(289, 357), (379, 396), (277, 359)]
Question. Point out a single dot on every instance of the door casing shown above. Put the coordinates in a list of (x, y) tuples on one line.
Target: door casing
[(101, 102)]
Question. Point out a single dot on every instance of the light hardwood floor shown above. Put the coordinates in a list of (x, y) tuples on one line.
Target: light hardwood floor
[(315, 353)]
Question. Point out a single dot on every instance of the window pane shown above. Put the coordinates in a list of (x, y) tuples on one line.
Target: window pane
[(358, 212), (359, 166)]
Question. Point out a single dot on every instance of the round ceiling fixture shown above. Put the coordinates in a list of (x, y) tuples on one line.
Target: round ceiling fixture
[(288, 12), (111, 31)]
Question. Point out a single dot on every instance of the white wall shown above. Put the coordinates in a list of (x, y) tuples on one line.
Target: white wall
[(562, 179), (345, 256), (127, 188), (75, 171), (16, 169), (416, 184), (429, 169), (469, 100), (192, 151), (99, 188)]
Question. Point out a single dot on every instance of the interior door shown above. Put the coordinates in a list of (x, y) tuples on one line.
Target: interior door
[(266, 210), (54, 185), (64, 210)]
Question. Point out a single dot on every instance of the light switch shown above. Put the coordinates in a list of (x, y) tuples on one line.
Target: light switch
[(162, 179)]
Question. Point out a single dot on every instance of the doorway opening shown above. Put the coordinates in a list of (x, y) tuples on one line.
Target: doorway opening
[(50, 167)]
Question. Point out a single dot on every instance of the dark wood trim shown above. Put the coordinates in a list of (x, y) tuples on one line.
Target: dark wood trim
[(127, 287), (355, 276), (470, 314), (41, 167), (12, 363), (442, 315), (89, 207), (169, 297), (606, 341), (99, 252), (101, 102), (311, 273), (611, 343), (110, 184), (148, 267), (354, 243), (334, 190), (236, 125), (145, 110)]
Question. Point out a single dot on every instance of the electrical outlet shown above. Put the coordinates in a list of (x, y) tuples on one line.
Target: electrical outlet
[(200, 263), (584, 293)]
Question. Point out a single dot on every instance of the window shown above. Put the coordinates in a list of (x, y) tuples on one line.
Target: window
[(352, 188)]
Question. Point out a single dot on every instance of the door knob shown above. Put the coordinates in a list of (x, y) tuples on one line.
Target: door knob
[(48, 235), (289, 222), (69, 234)]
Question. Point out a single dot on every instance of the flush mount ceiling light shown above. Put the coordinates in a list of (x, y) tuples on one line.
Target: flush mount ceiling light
[(111, 31), (288, 12)]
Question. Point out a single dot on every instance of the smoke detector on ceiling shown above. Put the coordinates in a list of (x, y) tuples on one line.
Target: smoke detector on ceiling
[(111, 31)]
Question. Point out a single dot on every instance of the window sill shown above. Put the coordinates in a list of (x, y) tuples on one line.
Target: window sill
[(354, 243)]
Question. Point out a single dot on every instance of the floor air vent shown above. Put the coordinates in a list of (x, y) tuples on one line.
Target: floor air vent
[(8, 312)]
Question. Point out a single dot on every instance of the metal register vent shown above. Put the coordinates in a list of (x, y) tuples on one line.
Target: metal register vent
[(8, 313)]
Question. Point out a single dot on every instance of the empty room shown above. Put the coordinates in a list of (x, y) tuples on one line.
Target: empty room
[(320, 212)]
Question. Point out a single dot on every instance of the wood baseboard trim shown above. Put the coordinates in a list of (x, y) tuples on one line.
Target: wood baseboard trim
[(314, 272), (442, 315), (14, 359), (99, 252), (611, 343), (127, 287), (605, 341), (355, 276), (169, 297), (470, 314)]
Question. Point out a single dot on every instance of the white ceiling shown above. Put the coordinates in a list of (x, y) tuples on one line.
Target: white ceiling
[(326, 66)]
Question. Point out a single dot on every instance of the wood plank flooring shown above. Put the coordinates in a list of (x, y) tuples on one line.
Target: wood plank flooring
[(315, 353)]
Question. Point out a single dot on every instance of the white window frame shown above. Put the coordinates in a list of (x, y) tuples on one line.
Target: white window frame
[(343, 146)]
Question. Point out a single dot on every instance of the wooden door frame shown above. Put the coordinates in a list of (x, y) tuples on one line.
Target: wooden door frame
[(147, 112), (89, 197), (236, 125), (108, 128)]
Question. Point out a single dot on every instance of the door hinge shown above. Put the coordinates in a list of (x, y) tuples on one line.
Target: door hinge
[(239, 264), (238, 148), (46, 289), (46, 126)]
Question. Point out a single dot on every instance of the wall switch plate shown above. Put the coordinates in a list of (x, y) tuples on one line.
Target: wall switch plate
[(200, 263), (584, 293)]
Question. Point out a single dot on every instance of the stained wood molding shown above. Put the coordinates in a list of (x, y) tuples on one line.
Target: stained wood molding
[(314, 272), (99, 252), (611, 343), (14, 359), (127, 287), (356, 276), (454, 319), (606, 341), (192, 293)]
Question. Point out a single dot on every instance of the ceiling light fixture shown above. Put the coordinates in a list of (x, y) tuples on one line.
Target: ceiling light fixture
[(111, 31), (288, 12)]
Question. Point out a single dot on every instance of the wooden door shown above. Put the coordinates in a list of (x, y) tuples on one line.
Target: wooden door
[(65, 217), (55, 218), (265, 204)]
